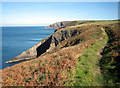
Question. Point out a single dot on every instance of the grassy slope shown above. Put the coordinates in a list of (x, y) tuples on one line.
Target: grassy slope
[(71, 63), (87, 68), (109, 63)]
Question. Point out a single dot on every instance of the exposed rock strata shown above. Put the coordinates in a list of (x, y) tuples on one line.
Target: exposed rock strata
[(47, 44)]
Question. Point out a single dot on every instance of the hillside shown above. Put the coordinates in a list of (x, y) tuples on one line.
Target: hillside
[(82, 53)]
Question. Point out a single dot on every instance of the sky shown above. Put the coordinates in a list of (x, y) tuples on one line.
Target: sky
[(45, 13)]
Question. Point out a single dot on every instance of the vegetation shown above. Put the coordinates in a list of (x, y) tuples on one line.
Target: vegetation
[(89, 58), (87, 68), (111, 58)]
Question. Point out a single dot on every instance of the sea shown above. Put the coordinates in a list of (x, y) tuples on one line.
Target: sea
[(15, 40)]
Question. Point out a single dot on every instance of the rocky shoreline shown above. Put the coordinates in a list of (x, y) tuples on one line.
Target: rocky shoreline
[(44, 45), (50, 43)]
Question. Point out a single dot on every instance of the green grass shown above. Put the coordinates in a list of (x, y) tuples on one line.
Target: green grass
[(79, 62), (87, 69), (110, 60), (88, 65), (89, 34), (94, 23)]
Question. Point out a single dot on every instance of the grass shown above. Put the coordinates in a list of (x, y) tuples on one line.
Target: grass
[(87, 68), (94, 23), (77, 64), (84, 34), (110, 58)]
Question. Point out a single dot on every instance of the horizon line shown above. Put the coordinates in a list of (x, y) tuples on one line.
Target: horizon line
[(31, 25), (22, 26)]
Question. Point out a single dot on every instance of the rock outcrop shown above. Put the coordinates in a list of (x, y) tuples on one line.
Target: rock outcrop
[(29, 54), (58, 25), (44, 45), (50, 42), (69, 51)]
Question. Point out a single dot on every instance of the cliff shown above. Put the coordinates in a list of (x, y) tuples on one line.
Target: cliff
[(45, 45), (84, 54), (50, 42), (58, 25), (63, 24)]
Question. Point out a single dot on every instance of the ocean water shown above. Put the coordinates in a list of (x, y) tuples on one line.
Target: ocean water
[(15, 40)]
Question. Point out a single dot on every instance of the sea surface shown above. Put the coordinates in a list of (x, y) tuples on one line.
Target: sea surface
[(15, 40)]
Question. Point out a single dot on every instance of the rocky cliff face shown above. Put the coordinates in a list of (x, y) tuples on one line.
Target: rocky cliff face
[(51, 42), (29, 54), (45, 45), (57, 25), (84, 55)]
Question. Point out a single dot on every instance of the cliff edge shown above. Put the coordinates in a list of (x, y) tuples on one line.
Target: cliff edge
[(50, 42), (44, 45), (85, 54), (58, 25)]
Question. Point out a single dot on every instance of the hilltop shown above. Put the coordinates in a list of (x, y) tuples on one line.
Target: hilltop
[(78, 53)]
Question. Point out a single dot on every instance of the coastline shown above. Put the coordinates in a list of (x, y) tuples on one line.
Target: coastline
[(19, 39)]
